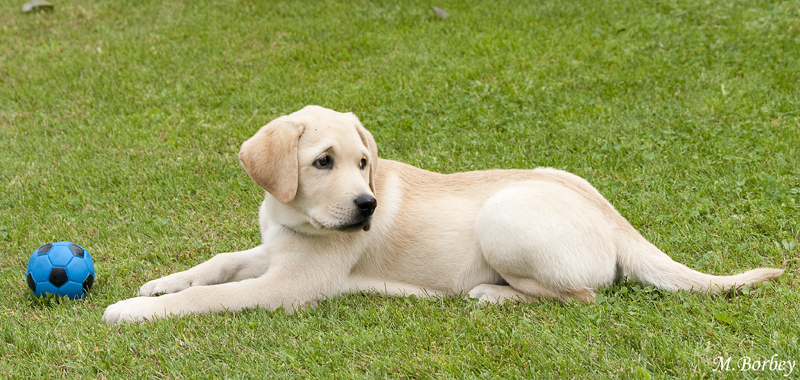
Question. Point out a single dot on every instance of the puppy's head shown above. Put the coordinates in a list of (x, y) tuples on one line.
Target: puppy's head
[(320, 167)]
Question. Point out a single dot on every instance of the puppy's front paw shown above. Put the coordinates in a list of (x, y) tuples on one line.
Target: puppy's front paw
[(170, 284), (137, 309)]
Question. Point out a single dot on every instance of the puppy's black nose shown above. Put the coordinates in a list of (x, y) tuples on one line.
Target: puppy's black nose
[(366, 204)]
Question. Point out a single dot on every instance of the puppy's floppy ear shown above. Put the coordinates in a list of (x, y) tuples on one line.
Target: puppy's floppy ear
[(369, 142), (270, 157)]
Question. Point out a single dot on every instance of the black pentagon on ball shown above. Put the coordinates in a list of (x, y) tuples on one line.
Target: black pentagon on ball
[(44, 249), (58, 276), (77, 251), (87, 284), (31, 282)]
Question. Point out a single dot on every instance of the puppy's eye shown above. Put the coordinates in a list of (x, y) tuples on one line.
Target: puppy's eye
[(362, 164), (325, 162)]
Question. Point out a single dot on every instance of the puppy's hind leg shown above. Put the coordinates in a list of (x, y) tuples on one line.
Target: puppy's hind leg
[(529, 290), (547, 240), (534, 288), (492, 293)]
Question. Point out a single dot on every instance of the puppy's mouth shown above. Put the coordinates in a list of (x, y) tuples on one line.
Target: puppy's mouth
[(355, 227)]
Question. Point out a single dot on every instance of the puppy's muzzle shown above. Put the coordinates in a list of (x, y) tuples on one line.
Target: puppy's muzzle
[(366, 205)]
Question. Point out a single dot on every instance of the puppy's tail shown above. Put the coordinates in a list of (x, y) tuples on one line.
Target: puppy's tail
[(644, 262)]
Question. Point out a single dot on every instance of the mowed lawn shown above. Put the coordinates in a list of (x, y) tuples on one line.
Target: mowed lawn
[(120, 124)]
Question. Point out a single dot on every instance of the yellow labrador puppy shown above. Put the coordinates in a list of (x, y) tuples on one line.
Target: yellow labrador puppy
[(337, 219)]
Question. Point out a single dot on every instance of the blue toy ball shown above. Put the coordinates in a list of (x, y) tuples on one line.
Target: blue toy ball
[(60, 269)]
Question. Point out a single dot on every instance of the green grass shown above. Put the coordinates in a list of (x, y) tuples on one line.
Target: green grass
[(120, 123)]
